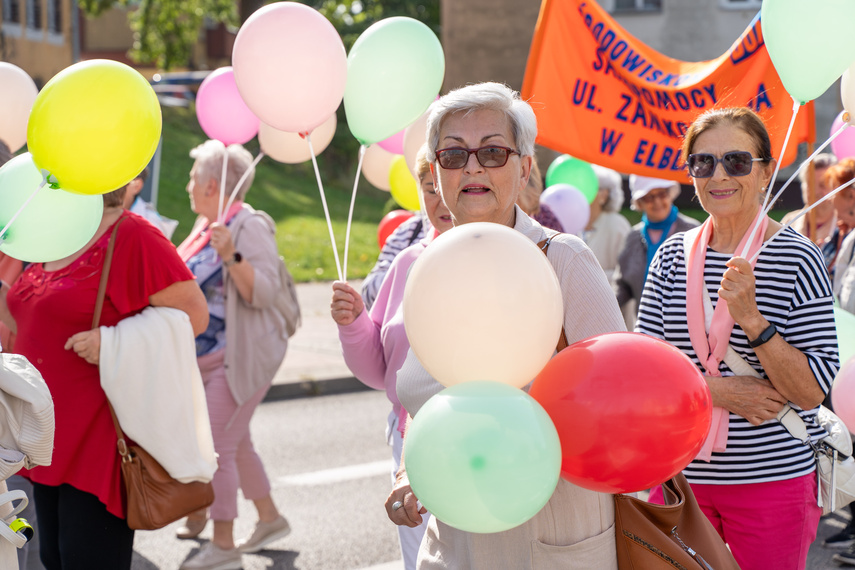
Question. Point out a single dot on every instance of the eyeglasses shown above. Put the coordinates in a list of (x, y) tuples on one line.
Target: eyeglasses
[(650, 197), (736, 163), (488, 156)]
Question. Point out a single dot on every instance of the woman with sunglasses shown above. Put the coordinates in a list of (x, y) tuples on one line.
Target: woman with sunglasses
[(660, 219), (480, 149), (753, 480)]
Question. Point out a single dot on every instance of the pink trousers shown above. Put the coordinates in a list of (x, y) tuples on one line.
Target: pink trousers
[(766, 525), (238, 463)]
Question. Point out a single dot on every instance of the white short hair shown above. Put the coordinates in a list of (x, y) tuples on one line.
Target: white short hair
[(481, 96), (209, 165), (610, 180)]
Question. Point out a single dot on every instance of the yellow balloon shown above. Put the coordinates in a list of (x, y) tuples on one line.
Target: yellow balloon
[(94, 126), (404, 188)]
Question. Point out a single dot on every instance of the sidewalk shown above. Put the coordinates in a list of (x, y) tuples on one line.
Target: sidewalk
[(313, 365)]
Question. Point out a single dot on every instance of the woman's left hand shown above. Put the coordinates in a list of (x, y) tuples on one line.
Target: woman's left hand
[(87, 345), (737, 288), (221, 241)]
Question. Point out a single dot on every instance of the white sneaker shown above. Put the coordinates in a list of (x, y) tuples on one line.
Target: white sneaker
[(264, 534), (212, 557)]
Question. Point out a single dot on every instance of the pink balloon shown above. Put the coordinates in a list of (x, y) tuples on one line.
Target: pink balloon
[(222, 113), (395, 143), (569, 205), (843, 393), (290, 66), (17, 94), (844, 145)]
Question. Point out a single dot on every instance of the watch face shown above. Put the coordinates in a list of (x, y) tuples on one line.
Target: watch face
[(238, 257)]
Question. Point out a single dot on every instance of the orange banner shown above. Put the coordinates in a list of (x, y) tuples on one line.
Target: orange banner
[(602, 96)]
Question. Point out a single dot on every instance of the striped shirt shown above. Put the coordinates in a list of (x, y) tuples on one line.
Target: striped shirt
[(793, 292)]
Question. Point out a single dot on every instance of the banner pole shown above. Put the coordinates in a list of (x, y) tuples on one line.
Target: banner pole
[(810, 176)]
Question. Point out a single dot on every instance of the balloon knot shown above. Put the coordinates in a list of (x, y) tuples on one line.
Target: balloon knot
[(846, 116), (304, 134)]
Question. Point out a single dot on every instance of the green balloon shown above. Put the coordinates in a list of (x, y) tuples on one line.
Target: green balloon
[(845, 323), (568, 170), (53, 225), (810, 43), (394, 72), (483, 456)]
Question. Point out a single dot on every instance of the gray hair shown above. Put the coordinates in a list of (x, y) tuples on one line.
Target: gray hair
[(822, 160), (209, 165), (610, 180), (481, 96)]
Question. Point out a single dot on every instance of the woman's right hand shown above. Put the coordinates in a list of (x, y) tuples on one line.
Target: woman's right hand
[(410, 512), (755, 399), (346, 303)]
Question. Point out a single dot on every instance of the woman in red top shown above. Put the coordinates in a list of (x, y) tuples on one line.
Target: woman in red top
[(81, 516)]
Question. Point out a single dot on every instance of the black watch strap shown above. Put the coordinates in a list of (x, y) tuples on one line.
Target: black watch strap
[(764, 337), (236, 258)]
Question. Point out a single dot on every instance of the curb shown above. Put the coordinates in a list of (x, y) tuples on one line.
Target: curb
[(312, 388)]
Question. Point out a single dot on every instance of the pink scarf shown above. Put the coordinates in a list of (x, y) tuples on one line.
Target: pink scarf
[(712, 348), (199, 236)]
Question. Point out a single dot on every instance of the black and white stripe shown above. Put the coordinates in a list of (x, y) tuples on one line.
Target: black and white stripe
[(793, 292)]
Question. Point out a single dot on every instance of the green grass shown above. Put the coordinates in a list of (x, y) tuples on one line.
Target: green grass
[(289, 193)]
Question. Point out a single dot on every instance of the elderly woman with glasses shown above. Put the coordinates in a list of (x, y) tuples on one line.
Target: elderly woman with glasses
[(755, 315), (480, 149)]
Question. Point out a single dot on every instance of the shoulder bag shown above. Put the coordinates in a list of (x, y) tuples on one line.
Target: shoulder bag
[(154, 499)]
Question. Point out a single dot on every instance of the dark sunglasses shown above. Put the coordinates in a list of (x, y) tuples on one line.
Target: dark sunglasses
[(488, 156), (736, 163)]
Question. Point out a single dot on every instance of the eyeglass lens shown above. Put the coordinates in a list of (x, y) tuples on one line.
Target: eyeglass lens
[(487, 156), (737, 163)]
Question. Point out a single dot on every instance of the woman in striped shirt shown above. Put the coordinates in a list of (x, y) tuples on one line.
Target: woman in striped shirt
[(754, 481)]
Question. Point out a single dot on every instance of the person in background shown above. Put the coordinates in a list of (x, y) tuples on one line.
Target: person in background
[(134, 203), (607, 229), (771, 340), (529, 201), (410, 232), (660, 219), (843, 204), (236, 263), (826, 219), (375, 343)]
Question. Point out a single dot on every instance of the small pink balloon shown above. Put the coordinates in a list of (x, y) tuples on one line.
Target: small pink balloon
[(569, 205), (221, 111), (844, 145), (17, 94), (395, 143), (843, 393), (290, 66)]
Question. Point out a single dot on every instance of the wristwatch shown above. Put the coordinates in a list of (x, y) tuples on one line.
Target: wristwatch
[(236, 258), (764, 337)]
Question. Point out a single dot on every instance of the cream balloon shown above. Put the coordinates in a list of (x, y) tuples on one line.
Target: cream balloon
[(17, 94), (414, 137), (847, 92), (483, 303), (291, 148), (376, 166)]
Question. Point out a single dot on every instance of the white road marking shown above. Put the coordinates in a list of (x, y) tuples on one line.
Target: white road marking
[(396, 565), (338, 474)]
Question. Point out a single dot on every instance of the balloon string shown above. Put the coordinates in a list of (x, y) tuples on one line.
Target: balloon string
[(828, 196), (241, 181), (326, 210), (362, 149), (223, 186), (803, 165), (24, 205), (796, 106)]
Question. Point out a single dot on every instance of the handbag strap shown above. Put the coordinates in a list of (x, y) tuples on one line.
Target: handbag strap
[(544, 247), (96, 320)]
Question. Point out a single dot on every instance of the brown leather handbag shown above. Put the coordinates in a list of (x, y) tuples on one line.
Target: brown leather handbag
[(153, 498), (674, 535)]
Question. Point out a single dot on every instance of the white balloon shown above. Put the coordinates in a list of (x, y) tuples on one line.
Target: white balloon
[(291, 148), (847, 92), (376, 166), (483, 303), (569, 205), (17, 94), (414, 137)]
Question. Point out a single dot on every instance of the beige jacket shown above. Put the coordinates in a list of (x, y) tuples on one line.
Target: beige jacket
[(256, 340)]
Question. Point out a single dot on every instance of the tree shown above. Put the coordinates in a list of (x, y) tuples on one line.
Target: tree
[(165, 31)]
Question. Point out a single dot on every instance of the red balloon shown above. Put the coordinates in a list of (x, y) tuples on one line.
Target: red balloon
[(389, 224), (631, 411)]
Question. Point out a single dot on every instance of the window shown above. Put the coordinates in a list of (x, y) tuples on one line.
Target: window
[(11, 11), (54, 16), (741, 4), (637, 5), (34, 14)]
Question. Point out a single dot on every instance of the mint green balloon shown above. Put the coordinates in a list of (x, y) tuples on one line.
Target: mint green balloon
[(568, 170), (810, 43), (845, 323), (483, 456), (53, 225), (394, 72)]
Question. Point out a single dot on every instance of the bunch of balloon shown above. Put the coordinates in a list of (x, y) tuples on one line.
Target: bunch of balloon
[(17, 94), (83, 142), (221, 110), (569, 205), (482, 455), (631, 411), (577, 173)]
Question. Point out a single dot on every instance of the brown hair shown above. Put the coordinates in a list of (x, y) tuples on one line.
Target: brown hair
[(742, 117), (840, 173), (116, 197), (529, 198)]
